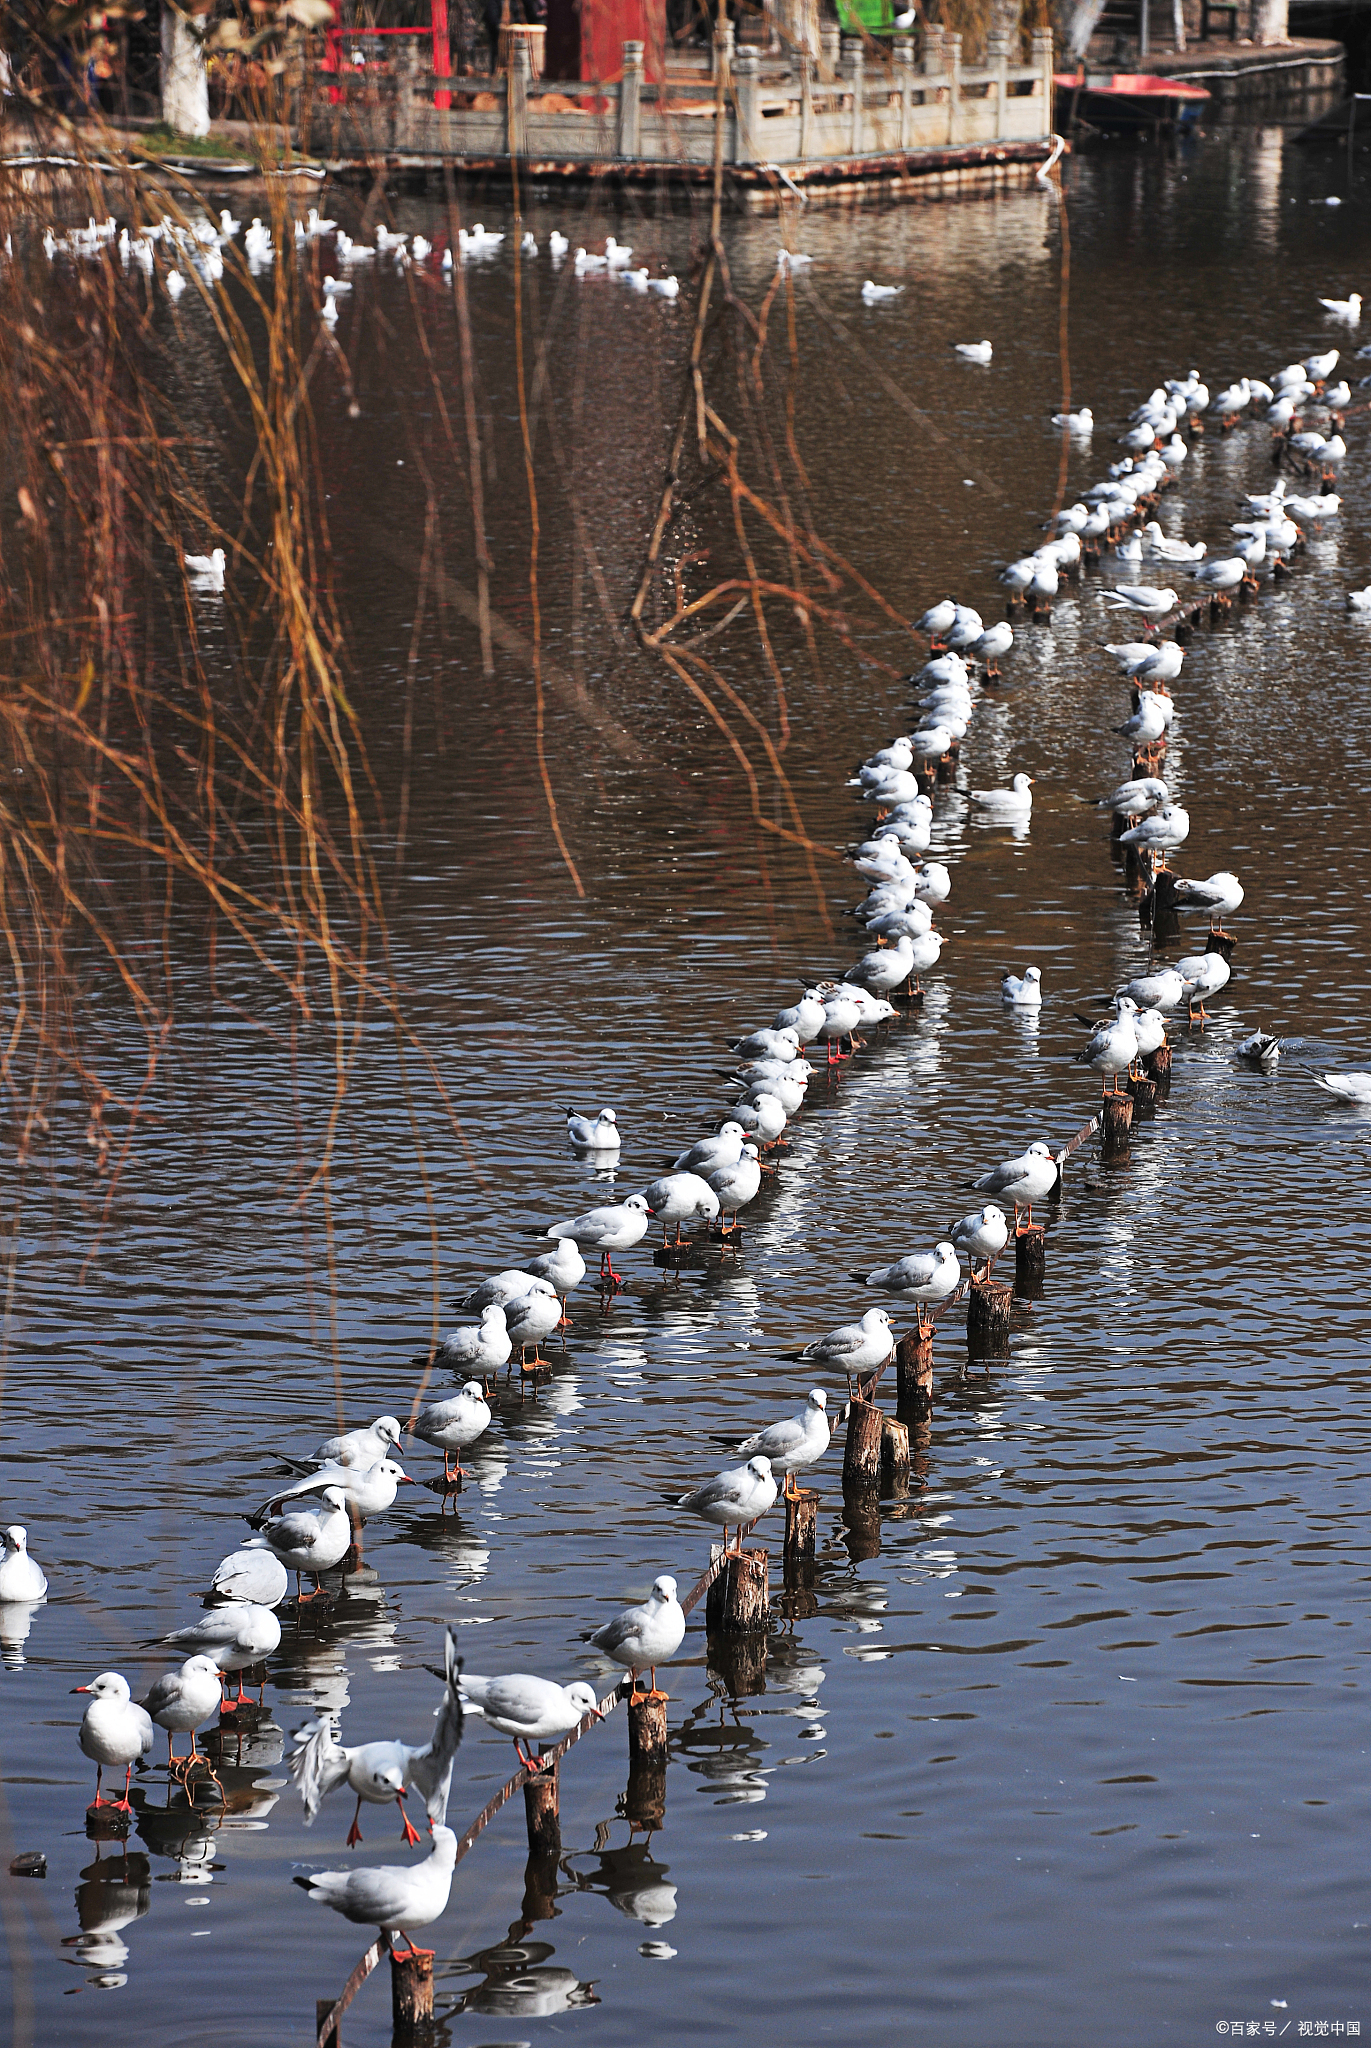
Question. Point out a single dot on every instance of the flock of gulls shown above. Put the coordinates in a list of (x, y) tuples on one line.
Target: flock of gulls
[(307, 1527), (197, 250)]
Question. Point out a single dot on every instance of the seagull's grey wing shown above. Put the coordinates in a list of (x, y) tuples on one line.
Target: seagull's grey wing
[(161, 1693), (776, 1440), (514, 1698), (430, 1768), (214, 1631), (838, 1344), (318, 1764), (379, 1895), (616, 1633), (710, 1494), (1000, 1177), (296, 1531)]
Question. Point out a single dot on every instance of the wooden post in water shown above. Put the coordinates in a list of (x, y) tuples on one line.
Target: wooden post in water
[(1144, 1093), (646, 1729), (862, 1455), (914, 1370), (987, 1319), (739, 1600), (801, 1522), (1030, 1262), (894, 1454), (1115, 1124), (411, 1992), (542, 1809), (1158, 1065)]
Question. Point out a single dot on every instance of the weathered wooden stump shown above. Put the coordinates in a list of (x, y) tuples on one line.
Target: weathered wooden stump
[(987, 1319), (1030, 1261), (542, 1810), (1144, 1093), (801, 1528), (862, 1453), (738, 1601), (1158, 1066), (894, 1455), (411, 1992), (914, 1372), (1115, 1124), (647, 1730)]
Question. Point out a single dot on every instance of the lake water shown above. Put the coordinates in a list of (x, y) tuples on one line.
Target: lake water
[(1078, 1754)]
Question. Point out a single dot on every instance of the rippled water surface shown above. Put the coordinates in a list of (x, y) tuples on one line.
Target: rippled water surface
[(1072, 1748)]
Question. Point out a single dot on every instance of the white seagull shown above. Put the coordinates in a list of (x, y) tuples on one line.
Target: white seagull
[(641, 1638), (393, 1897), (798, 1441)]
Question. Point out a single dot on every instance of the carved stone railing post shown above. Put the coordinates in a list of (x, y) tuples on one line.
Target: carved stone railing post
[(630, 101)]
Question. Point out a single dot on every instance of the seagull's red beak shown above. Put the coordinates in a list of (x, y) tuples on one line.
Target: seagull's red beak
[(80, 1688)]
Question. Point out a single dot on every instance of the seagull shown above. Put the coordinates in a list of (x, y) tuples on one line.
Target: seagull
[(1222, 575), (737, 1185), (1204, 974), (532, 1317), (1352, 1087), (207, 570), (381, 1771), (1172, 550), (974, 351), (1132, 799), (1014, 802), (599, 1135), (855, 1347), (1113, 1048), (529, 1709), (783, 1044), (563, 1269), (981, 1235), (251, 1574), (643, 1637), (180, 1701), (615, 1228), (1028, 1179), (114, 1730), (872, 293), (798, 1441), (558, 244), (683, 1198), (1263, 1051), (725, 1148), (1164, 990), (391, 1896), (176, 284), (453, 1424), (359, 1446), (1141, 597), (791, 259), (922, 1277), (1148, 660), (20, 1577), (1082, 422), (1159, 832), (938, 620), (665, 287), (1348, 309), (503, 1288), (368, 1489), (994, 642), (803, 1018), (235, 1635), (1024, 990), (308, 1536), (1320, 367), (336, 287), (734, 1499), (1359, 600), (480, 1347), (1220, 893)]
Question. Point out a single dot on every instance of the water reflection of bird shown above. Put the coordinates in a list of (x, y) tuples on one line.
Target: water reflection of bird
[(113, 1893), (633, 1882)]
